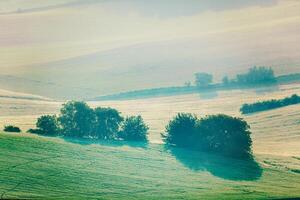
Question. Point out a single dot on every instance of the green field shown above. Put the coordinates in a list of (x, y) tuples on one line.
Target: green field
[(40, 167)]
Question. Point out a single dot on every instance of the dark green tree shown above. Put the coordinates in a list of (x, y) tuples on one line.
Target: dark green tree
[(134, 129), (225, 135), (269, 104), (77, 119), (181, 130), (221, 134), (107, 123), (47, 125)]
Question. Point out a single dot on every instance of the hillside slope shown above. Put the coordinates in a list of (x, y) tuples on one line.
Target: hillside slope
[(38, 167), (141, 66)]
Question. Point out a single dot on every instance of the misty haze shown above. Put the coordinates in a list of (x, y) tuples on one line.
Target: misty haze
[(162, 99)]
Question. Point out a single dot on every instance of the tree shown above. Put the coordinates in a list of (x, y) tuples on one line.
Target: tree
[(134, 129), (221, 134), (11, 128), (226, 135), (203, 79), (107, 123), (47, 125), (180, 130), (77, 119)]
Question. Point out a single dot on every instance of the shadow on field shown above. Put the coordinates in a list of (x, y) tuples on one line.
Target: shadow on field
[(223, 167), (116, 143)]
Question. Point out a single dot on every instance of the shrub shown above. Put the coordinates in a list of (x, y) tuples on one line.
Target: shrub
[(134, 129), (107, 123), (77, 119), (34, 131), (11, 128), (220, 134), (270, 104), (47, 125)]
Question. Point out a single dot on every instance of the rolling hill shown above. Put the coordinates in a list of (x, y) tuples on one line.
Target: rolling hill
[(40, 167), (142, 66), (37, 167)]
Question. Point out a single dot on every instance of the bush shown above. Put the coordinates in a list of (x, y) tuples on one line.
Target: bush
[(47, 125), (134, 129), (11, 128), (77, 119), (34, 131), (270, 104), (107, 123), (220, 134)]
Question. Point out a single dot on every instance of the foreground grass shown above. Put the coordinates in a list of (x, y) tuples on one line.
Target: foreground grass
[(40, 167)]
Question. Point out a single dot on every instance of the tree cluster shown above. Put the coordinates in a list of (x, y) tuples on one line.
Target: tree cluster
[(270, 104), (77, 119), (257, 75), (219, 134), (254, 76)]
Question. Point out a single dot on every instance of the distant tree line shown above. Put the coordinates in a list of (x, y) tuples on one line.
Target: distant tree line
[(78, 120), (254, 76), (270, 104), (221, 134)]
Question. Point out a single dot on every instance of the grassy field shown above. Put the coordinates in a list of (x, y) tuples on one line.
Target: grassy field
[(39, 167)]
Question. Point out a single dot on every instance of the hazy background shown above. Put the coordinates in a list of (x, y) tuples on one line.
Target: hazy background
[(85, 48)]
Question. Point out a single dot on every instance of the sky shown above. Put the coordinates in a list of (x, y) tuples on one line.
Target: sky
[(35, 34)]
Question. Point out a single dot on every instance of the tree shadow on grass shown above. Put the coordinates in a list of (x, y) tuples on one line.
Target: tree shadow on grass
[(220, 166), (111, 143)]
